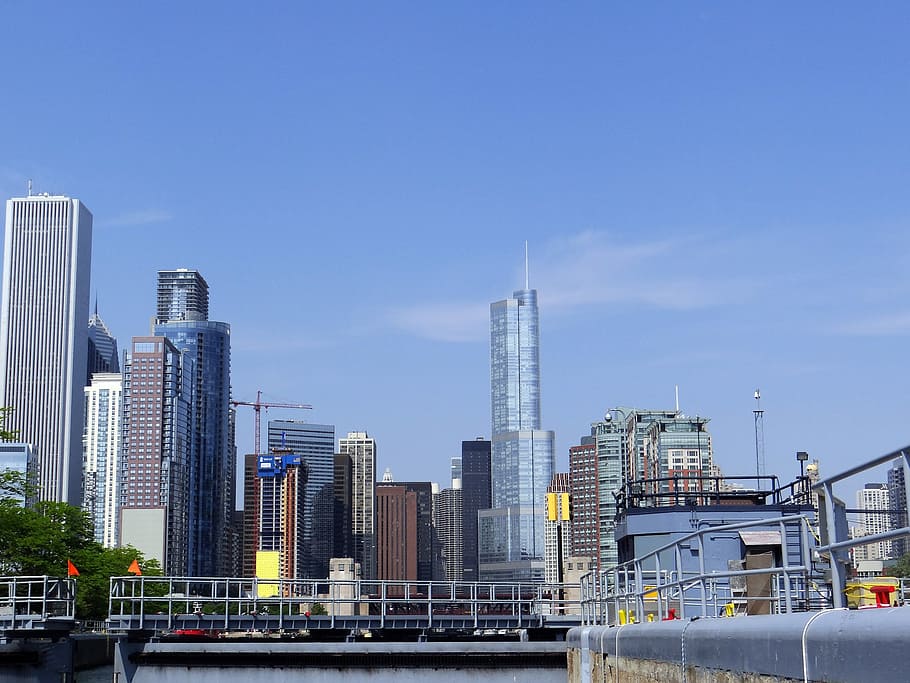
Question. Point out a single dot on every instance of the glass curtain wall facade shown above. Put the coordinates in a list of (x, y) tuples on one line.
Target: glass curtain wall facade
[(476, 496), (315, 444), (211, 469), (523, 457)]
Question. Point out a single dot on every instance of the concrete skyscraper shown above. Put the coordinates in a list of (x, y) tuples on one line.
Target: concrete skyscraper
[(183, 294), (101, 473), (523, 458), (182, 318), (361, 448), (44, 334)]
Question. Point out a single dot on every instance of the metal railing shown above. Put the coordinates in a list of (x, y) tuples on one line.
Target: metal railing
[(35, 601), (682, 587), (838, 542), (154, 602)]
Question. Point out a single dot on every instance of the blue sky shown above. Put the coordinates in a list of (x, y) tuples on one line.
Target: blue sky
[(714, 195)]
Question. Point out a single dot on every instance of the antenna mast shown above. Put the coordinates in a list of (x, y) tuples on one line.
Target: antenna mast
[(759, 435), (527, 280)]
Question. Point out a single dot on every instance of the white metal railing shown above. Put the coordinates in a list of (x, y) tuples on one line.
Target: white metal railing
[(141, 599), (683, 587), (838, 542), (25, 600)]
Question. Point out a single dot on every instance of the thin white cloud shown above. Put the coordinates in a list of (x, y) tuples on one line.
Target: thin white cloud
[(891, 325), (462, 322), (591, 268), (138, 218), (582, 270)]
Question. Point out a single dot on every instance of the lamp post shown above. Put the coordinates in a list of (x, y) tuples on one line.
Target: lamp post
[(802, 456)]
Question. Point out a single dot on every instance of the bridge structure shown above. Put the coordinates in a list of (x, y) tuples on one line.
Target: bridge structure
[(232, 607)]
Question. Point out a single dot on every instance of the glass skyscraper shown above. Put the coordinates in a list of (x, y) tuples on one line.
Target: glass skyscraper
[(182, 317), (511, 535), (315, 444)]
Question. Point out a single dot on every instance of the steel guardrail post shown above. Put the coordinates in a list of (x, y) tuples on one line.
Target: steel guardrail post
[(837, 578)]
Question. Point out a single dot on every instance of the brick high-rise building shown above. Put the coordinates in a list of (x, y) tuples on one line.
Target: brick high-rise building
[(156, 451), (396, 533), (584, 488)]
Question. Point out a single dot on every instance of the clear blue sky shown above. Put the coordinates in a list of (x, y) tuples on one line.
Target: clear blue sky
[(715, 195)]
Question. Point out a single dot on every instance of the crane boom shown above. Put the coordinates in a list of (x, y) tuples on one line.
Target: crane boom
[(258, 404)]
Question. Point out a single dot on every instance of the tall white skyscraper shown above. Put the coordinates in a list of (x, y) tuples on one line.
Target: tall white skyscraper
[(361, 448), (101, 475), (44, 310)]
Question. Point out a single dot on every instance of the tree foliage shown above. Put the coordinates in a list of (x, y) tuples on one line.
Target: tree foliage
[(899, 569), (39, 540), (6, 434)]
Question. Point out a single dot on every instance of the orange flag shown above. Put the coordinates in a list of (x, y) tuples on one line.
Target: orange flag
[(71, 568), (134, 568)]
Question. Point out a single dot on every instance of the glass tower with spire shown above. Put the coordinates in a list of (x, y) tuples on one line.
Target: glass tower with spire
[(511, 535)]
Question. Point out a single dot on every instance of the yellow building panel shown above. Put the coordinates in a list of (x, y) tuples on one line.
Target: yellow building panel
[(267, 567), (565, 506), (551, 507)]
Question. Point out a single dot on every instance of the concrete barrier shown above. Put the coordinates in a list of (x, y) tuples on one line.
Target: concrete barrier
[(831, 646)]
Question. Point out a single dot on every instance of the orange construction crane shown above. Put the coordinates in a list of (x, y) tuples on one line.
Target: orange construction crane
[(258, 404)]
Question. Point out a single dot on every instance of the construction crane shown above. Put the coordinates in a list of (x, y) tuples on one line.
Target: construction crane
[(258, 404)]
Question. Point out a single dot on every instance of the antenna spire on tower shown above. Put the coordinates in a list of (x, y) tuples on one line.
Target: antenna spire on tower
[(527, 280)]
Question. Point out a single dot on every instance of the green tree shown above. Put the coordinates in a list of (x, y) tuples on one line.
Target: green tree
[(899, 569), (6, 434), (38, 541)]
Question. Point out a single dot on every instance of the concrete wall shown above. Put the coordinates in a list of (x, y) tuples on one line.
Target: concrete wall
[(833, 646), (268, 662)]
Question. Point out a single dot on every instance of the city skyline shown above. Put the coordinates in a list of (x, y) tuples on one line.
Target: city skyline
[(708, 204)]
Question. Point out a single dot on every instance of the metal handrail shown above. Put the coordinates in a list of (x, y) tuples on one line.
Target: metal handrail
[(30, 600), (154, 599), (629, 585), (835, 540)]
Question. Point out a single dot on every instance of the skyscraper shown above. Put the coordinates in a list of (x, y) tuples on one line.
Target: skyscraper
[(315, 444), (156, 450), (43, 334), (897, 503), (874, 498), (447, 520), (523, 457), (279, 497), (343, 544), (183, 294), (396, 533), (182, 313), (362, 450), (101, 468), (475, 496), (558, 527), (102, 348), (583, 486)]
